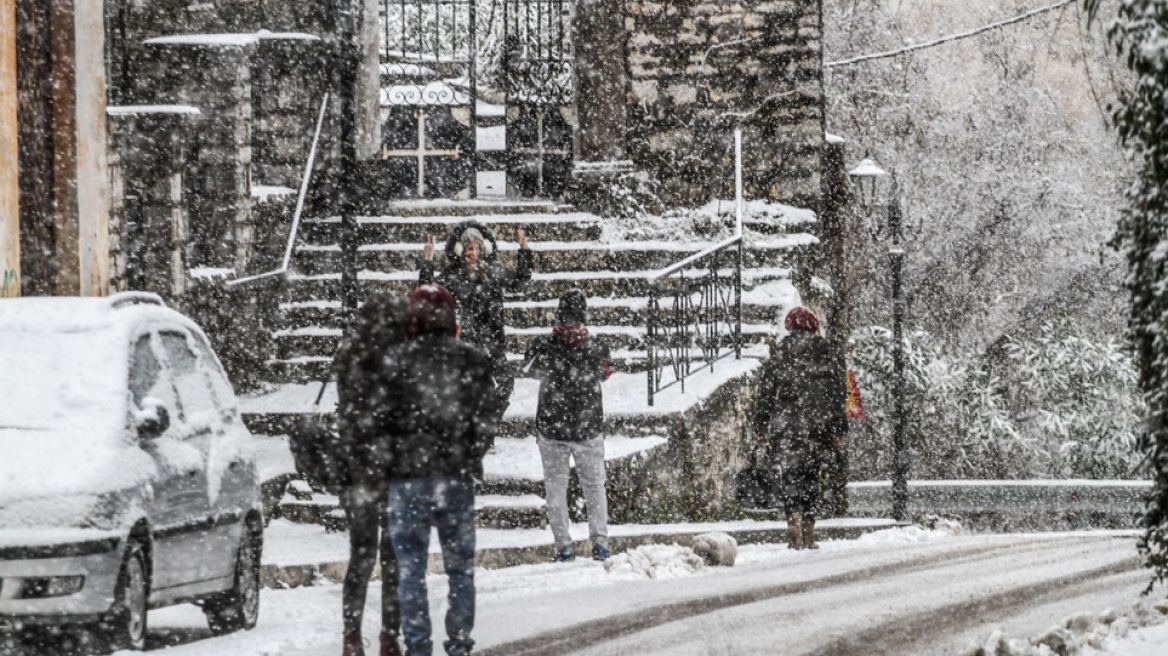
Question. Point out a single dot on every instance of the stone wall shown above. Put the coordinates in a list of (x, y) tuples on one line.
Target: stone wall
[(698, 68), (692, 478), (150, 212), (216, 79)]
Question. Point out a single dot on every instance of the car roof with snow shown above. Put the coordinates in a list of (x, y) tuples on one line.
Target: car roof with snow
[(63, 423), (79, 314)]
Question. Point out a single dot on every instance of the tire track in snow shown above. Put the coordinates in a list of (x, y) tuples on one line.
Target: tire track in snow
[(595, 632), (901, 635)]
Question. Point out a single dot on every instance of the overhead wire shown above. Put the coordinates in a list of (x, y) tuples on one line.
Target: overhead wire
[(946, 39)]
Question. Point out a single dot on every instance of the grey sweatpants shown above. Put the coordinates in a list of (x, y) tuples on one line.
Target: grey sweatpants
[(589, 456)]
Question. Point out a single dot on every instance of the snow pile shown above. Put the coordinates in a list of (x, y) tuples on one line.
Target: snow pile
[(655, 561), (712, 221), (716, 548), (1083, 634), (908, 534)]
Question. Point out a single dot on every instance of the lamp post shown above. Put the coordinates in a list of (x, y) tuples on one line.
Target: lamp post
[(875, 186)]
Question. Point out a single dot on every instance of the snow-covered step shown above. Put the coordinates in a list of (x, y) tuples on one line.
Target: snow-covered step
[(555, 256), (544, 223), (543, 286)]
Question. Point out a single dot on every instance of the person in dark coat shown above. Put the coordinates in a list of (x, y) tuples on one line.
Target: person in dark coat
[(801, 413), (477, 280), (571, 366), (434, 399), (379, 326)]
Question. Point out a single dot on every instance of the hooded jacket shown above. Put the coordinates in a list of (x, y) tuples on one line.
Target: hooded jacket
[(380, 326), (802, 396), (434, 400), (571, 367), (479, 302)]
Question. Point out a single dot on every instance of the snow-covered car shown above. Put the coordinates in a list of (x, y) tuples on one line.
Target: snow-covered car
[(127, 479)]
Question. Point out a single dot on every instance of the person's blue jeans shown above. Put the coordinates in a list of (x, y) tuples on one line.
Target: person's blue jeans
[(414, 506)]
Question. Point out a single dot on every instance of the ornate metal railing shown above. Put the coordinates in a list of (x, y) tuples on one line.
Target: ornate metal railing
[(694, 316), (701, 320)]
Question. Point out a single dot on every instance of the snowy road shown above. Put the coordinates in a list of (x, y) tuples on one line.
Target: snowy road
[(894, 592)]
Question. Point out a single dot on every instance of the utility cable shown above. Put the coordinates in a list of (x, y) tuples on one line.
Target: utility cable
[(947, 39)]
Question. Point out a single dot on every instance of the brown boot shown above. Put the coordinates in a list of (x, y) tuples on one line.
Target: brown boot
[(795, 531), (353, 645), (809, 534), (390, 645)]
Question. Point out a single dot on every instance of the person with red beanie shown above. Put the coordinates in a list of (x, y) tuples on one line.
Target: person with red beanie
[(435, 401), (801, 414)]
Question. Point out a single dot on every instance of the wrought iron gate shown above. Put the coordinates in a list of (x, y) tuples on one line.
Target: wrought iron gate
[(476, 85)]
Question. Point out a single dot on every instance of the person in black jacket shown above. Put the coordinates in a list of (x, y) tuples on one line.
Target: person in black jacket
[(477, 280), (379, 326), (434, 400), (571, 366), (801, 412)]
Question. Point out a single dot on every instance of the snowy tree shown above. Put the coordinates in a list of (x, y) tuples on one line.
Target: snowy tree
[(1141, 32), (1056, 404), (1010, 172)]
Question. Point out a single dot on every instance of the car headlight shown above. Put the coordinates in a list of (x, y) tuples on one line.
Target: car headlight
[(44, 587)]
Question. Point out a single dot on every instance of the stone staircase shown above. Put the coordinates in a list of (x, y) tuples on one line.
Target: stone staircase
[(571, 248)]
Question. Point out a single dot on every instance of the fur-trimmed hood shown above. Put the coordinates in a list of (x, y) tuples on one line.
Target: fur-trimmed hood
[(454, 242)]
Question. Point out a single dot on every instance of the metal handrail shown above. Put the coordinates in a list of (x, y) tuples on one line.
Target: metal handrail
[(684, 311), (299, 207)]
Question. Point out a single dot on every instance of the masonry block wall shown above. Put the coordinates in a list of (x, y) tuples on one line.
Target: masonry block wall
[(149, 213), (216, 79), (698, 68)]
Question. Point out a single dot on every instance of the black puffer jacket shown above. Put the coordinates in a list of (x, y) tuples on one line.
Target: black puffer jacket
[(802, 396), (434, 400), (379, 326), (571, 404), (479, 302)]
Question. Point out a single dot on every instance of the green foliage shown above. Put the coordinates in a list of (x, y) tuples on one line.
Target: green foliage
[(1140, 32), (1053, 405)]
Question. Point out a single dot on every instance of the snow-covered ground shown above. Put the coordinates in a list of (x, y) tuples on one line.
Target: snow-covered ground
[(900, 591), (625, 394)]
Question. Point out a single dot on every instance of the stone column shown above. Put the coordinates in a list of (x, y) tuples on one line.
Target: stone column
[(368, 100), (600, 81), (9, 156), (601, 158)]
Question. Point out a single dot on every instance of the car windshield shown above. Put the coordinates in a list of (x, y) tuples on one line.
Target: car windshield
[(62, 381)]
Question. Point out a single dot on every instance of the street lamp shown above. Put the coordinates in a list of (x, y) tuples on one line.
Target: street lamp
[(877, 187)]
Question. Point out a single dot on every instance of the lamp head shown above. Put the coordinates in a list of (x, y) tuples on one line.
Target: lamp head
[(871, 182)]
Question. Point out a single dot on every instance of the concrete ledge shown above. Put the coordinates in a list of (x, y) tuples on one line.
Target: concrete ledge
[(1012, 505), (621, 538)]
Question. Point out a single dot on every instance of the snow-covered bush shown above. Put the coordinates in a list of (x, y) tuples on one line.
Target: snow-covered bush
[(1055, 405)]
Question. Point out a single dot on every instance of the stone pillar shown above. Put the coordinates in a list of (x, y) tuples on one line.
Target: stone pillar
[(9, 156), (368, 100), (149, 224), (64, 183), (601, 158), (600, 81), (213, 74)]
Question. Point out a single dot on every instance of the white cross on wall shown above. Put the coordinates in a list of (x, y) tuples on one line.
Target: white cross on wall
[(540, 152), (421, 153)]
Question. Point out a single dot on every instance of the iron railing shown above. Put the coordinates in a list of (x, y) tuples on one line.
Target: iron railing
[(694, 314), (703, 314)]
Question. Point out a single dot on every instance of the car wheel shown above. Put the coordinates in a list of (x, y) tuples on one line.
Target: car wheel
[(239, 608), (125, 626)]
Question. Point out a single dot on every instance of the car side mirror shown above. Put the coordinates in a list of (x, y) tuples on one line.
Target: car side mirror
[(152, 420)]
